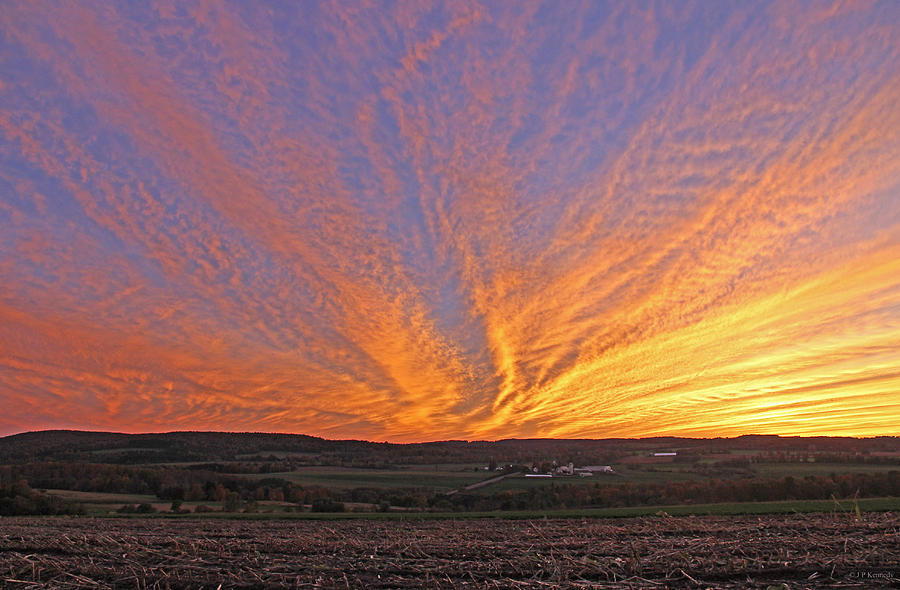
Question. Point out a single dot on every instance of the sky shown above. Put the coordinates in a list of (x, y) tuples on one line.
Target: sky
[(411, 221)]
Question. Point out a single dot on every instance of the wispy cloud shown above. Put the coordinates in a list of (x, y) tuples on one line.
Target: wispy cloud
[(461, 220)]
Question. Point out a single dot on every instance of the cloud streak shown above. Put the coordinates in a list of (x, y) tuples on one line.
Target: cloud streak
[(461, 221)]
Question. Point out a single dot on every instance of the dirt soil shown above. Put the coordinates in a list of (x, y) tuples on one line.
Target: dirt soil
[(800, 551)]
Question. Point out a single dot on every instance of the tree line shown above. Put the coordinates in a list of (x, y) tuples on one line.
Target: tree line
[(680, 492), (19, 499), (235, 492), (212, 447)]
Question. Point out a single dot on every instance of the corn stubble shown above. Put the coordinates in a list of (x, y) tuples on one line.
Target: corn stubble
[(784, 551)]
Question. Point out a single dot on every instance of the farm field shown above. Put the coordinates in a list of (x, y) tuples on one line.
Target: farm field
[(449, 476), (802, 551), (804, 469), (623, 475), (101, 503), (66, 472), (103, 497), (274, 511), (442, 477)]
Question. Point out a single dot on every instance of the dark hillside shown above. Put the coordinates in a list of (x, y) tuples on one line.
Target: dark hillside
[(211, 447)]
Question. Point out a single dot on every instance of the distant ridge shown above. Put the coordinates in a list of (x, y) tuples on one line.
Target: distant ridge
[(197, 446)]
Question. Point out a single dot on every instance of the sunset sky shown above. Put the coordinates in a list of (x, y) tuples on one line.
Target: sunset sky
[(408, 221)]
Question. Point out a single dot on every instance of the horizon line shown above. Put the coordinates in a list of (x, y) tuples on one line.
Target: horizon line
[(467, 441)]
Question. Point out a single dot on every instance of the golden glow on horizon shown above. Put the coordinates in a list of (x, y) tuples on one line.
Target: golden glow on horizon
[(468, 222)]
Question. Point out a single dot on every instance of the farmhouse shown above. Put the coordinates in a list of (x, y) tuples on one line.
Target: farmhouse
[(566, 469), (587, 471), (590, 470)]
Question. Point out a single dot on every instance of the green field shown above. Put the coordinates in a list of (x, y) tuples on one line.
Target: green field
[(103, 498), (445, 477), (438, 477), (102, 504), (843, 509), (623, 475), (779, 470), (448, 477)]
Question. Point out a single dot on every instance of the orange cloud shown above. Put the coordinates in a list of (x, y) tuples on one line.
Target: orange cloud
[(460, 221)]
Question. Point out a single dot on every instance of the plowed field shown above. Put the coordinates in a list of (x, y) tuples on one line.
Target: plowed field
[(803, 551)]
